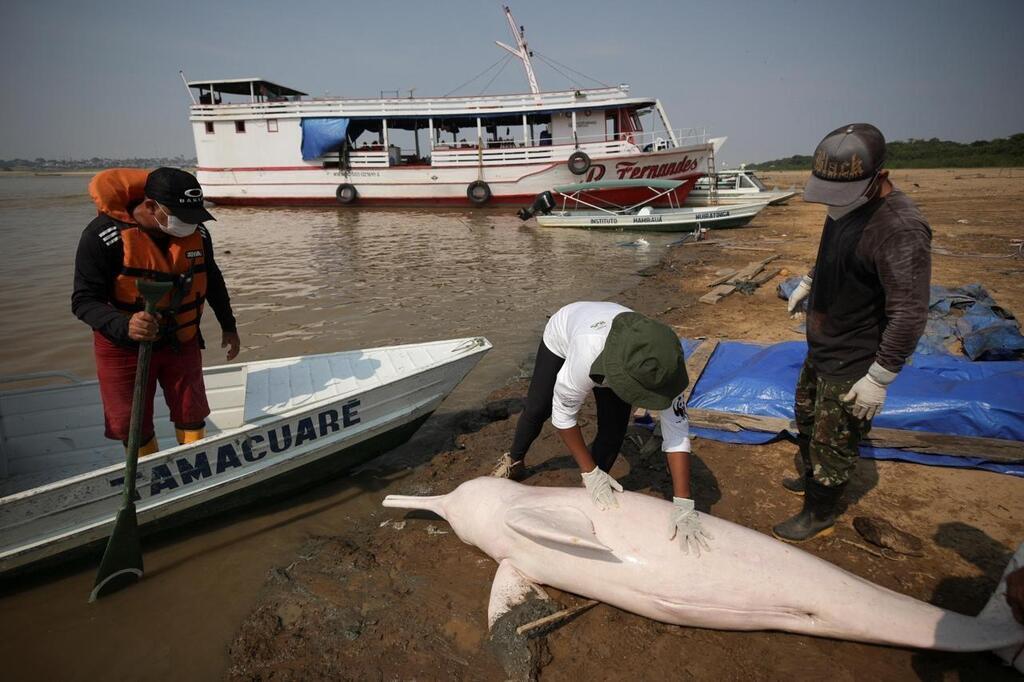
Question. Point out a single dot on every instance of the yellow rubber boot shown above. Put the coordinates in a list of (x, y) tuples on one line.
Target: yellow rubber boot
[(186, 436), (150, 447)]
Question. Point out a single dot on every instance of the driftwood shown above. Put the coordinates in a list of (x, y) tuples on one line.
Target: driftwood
[(547, 623), (746, 275)]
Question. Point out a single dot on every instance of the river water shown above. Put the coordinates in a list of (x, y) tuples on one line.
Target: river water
[(302, 281)]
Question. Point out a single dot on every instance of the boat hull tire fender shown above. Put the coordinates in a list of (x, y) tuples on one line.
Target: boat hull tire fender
[(479, 192), (346, 193), (579, 163)]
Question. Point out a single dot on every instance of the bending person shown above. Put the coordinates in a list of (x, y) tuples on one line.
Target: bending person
[(626, 360)]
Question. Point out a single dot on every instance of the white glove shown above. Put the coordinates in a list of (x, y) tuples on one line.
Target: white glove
[(600, 486), (800, 293), (685, 522), (868, 394)]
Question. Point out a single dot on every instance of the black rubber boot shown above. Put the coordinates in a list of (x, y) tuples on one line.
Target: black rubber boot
[(817, 518), (795, 485)]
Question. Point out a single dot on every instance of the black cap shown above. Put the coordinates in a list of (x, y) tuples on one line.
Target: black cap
[(179, 192), (845, 163)]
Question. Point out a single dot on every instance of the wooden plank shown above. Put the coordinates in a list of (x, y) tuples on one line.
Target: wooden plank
[(761, 279), (724, 278), (696, 363), (716, 294), (744, 275), (732, 247), (993, 449)]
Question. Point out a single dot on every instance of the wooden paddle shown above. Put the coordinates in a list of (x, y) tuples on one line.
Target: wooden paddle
[(122, 560)]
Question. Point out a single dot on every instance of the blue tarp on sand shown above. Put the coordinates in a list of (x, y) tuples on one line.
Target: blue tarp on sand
[(938, 393), (963, 318), (322, 135)]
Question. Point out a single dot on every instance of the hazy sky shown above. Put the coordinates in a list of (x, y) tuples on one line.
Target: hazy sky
[(100, 78)]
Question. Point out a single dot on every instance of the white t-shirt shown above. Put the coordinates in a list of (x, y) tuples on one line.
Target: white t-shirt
[(578, 333)]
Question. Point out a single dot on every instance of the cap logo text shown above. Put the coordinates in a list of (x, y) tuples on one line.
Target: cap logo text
[(832, 169)]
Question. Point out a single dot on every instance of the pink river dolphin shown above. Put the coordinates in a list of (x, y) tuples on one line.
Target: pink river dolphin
[(747, 581)]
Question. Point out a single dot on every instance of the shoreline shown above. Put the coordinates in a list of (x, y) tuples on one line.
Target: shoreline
[(328, 584), (395, 595)]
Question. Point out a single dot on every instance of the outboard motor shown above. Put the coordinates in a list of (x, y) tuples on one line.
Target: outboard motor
[(543, 203)]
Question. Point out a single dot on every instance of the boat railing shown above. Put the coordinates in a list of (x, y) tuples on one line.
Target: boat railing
[(444, 156), (510, 152), (435, 106), (519, 151)]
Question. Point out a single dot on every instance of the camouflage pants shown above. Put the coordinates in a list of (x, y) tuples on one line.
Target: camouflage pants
[(828, 428)]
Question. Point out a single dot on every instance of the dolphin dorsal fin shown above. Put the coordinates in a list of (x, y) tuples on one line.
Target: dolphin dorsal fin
[(565, 526)]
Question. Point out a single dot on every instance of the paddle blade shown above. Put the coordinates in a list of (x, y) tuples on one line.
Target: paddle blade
[(122, 560)]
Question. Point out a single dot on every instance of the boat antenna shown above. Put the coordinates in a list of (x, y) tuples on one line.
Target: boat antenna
[(188, 89), (522, 51)]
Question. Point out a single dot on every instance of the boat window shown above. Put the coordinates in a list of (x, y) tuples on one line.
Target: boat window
[(745, 183), (209, 127), (726, 182), (455, 133), (539, 130), (408, 141), (271, 125), (239, 126), (757, 182)]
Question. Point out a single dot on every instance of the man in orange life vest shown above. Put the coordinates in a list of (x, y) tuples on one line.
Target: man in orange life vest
[(150, 226)]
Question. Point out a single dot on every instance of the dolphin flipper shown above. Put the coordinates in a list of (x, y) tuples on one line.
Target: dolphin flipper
[(509, 589), (567, 527)]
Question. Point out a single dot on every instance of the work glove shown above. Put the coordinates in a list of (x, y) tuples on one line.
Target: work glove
[(600, 485), (799, 294), (685, 522), (868, 394)]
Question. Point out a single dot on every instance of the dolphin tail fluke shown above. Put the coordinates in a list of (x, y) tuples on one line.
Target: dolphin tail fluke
[(997, 612), (431, 503)]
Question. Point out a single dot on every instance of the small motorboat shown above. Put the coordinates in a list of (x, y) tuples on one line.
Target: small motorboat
[(585, 205), (735, 187), (275, 426)]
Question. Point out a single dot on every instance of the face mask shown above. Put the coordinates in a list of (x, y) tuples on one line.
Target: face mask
[(838, 212), (175, 226)]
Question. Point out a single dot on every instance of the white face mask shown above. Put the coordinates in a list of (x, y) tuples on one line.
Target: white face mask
[(175, 226)]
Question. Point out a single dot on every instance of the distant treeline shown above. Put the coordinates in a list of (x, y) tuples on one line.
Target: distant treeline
[(933, 153), (95, 163)]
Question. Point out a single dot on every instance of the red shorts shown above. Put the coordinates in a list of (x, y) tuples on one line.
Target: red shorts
[(179, 371)]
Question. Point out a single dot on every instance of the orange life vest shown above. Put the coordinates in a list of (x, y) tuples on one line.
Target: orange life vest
[(183, 262)]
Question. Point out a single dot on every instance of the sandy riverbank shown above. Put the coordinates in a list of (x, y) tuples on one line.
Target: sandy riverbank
[(370, 600)]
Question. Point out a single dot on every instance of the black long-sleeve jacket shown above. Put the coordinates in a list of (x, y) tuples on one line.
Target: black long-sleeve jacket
[(98, 262), (869, 296)]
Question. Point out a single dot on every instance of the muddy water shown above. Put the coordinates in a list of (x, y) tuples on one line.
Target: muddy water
[(302, 281)]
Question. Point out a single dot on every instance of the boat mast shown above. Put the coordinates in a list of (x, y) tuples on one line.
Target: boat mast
[(522, 51)]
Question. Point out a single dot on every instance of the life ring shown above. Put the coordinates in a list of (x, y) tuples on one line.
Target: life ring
[(579, 163), (479, 192), (346, 193)]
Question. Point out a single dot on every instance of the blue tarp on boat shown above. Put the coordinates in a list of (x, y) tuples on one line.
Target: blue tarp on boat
[(937, 393), (322, 135)]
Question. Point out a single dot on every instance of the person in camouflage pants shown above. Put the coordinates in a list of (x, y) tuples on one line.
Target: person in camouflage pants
[(867, 305)]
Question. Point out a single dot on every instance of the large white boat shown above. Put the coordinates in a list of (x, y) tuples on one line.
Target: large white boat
[(258, 142)]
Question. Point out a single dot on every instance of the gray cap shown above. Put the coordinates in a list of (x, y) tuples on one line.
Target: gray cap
[(845, 164)]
